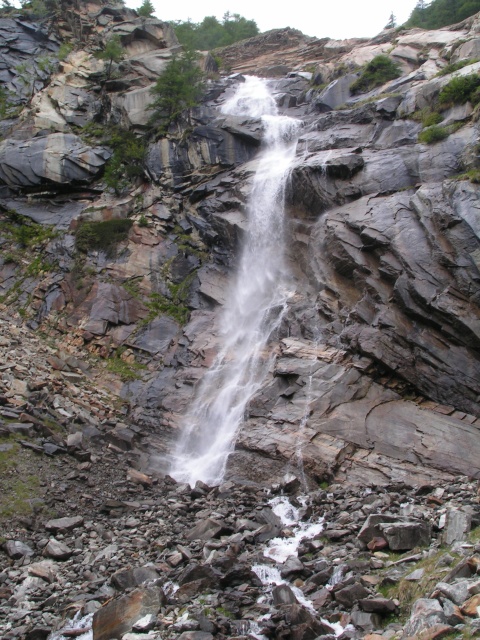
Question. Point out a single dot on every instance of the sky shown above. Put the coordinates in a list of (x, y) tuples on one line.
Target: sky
[(333, 18)]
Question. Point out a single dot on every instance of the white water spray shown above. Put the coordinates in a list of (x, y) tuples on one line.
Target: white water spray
[(255, 305)]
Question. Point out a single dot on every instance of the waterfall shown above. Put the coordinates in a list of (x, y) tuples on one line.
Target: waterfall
[(255, 305)]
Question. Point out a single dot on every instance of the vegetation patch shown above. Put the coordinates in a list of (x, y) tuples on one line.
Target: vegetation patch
[(436, 133), (474, 176), (8, 109), (126, 371), (25, 232), (159, 304), (212, 33), (430, 118), (113, 52), (378, 71), (407, 591), (127, 161), (455, 66), (24, 244), (102, 236), (460, 90), (16, 489), (441, 13)]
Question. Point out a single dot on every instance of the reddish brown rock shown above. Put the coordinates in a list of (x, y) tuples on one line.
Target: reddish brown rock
[(118, 616), (469, 608)]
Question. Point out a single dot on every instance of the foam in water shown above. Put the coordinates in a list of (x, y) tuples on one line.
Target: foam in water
[(255, 304), (279, 549), (78, 622)]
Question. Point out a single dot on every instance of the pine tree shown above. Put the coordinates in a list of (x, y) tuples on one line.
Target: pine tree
[(146, 9), (392, 22), (178, 89), (113, 52)]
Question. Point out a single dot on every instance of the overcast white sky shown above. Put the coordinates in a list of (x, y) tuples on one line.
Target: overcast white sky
[(332, 18)]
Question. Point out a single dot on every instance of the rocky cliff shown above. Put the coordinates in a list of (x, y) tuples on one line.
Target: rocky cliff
[(377, 375)]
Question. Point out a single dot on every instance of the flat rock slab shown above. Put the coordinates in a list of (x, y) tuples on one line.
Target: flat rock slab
[(457, 526), (205, 530), (56, 213), (65, 524)]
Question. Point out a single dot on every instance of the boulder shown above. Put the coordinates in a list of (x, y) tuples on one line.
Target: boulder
[(118, 616), (349, 595), (468, 50), (336, 94), (426, 613), (402, 536), (372, 529), (195, 573), (57, 550), (206, 530), (457, 526), (127, 578), (17, 549), (282, 594), (135, 105), (457, 592)]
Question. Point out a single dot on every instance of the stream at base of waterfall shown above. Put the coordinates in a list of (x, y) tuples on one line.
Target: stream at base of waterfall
[(256, 301), (276, 552)]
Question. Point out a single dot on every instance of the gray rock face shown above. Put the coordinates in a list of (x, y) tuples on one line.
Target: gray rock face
[(457, 526), (55, 213), (336, 94), (128, 578), (421, 287), (75, 104), (457, 593), (107, 303), (206, 146), (55, 159), (282, 594), (467, 51)]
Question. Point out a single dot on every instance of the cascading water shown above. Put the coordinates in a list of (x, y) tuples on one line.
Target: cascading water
[(255, 305)]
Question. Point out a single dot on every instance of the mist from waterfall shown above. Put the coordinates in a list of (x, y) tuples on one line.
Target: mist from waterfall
[(255, 305)]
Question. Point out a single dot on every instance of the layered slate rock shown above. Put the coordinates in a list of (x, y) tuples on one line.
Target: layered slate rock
[(27, 57), (418, 255), (57, 159), (207, 145)]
